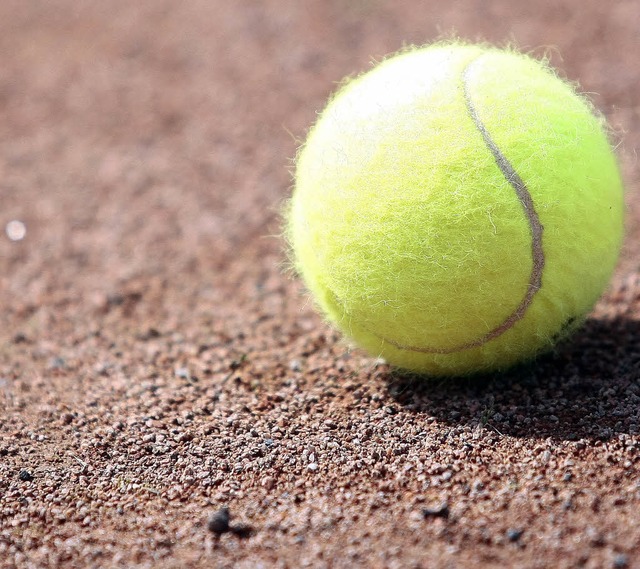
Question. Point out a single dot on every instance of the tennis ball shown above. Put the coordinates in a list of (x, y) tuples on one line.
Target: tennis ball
[(456, 209)]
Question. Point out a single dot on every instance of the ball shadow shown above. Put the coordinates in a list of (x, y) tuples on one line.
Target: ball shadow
[(589, 388)]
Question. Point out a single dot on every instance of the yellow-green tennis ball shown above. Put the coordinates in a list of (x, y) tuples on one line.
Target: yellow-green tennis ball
[(458, 208)]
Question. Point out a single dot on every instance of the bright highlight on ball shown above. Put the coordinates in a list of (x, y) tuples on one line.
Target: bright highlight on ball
[(456, 209)]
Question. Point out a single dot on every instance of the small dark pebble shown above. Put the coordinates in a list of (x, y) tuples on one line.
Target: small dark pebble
[(242, 530), (25, 476), (67, 418), (514, 534), (219, 522), (621, 561), (441, 511), (149, 334)]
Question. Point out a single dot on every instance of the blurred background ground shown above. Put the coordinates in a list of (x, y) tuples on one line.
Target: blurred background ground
[(156, 365)]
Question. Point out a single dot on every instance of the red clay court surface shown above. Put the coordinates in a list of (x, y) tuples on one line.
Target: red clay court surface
[(156, 365)]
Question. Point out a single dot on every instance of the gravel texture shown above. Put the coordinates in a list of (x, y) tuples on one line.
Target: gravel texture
[(169, 398)]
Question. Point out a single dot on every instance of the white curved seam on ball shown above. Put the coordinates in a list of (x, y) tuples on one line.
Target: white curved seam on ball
[(535, 226)]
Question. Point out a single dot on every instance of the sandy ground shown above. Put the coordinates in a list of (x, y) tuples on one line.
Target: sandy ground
[(156, 365)]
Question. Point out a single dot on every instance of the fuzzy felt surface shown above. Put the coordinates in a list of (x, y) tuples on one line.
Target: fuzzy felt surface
[(410, 232)]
